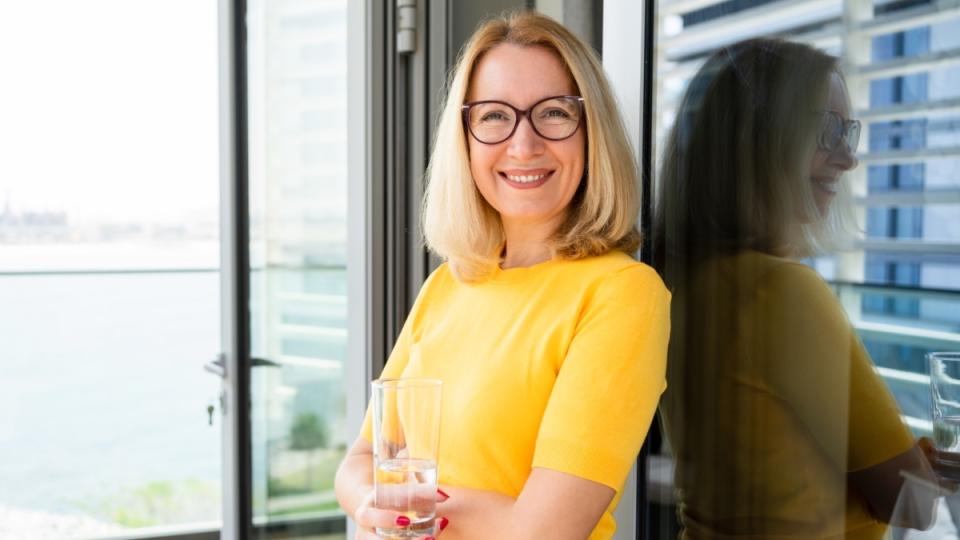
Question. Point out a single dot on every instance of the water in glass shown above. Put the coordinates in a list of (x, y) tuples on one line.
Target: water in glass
[(408, 486)]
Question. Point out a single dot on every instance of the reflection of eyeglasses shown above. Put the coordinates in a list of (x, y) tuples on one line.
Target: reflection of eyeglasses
[(554, 118), (837, 129)]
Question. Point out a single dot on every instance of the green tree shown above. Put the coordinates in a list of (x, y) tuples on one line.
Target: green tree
[(309, 432)]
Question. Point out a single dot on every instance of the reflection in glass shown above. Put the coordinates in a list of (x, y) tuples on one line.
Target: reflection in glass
[(898, 280), (778, 423)]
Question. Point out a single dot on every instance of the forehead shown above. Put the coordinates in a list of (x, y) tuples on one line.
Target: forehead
[(837, 99), (519, 75)]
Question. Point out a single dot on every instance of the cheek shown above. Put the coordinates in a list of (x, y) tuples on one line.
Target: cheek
[(482, 159), (819, 159), (577, 160)]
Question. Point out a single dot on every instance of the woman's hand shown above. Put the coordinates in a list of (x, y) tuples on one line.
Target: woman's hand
[(368, 517), (945, 464)]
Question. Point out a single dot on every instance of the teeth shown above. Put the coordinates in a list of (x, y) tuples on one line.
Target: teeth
[(827, 186), (525, 179)]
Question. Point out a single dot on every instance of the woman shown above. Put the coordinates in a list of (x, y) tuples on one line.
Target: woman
[(779, 425), (549, 338)]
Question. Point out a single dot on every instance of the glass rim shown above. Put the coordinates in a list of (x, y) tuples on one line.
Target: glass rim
[(407, 382)]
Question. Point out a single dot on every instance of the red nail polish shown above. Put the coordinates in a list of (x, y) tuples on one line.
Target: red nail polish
[(443, 493), (429, 538), (403, 521), (443, 523)]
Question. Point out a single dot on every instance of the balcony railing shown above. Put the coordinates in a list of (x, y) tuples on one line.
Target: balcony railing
[(919, 332)]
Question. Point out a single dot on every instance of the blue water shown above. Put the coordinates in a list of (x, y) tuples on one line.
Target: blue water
[(102, 387)]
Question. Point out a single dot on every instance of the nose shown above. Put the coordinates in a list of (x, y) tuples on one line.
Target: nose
[(525, 143), (844, 158)]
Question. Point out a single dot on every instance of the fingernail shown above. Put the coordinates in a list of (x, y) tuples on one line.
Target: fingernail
[(429, 538), (403, 521), (443, 523), (443, 493)]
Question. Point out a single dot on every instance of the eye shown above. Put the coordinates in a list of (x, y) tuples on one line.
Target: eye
[(494, 116), (555, 113)]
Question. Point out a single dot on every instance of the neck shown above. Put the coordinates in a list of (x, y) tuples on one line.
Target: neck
[(527, 244)]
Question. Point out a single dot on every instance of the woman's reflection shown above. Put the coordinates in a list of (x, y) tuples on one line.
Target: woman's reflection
[(779, 424)]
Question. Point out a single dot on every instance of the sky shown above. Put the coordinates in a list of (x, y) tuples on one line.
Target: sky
[(108, 108)]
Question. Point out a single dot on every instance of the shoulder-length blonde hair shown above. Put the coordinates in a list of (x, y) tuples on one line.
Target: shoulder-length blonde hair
[(736, 165), (461, 227)]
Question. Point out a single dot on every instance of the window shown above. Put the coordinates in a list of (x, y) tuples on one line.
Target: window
[(897, 277), (109, 269)]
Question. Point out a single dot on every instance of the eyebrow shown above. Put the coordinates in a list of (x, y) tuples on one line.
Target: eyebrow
[(840, 114)]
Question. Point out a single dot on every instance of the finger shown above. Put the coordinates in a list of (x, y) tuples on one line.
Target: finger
[(926, 446), (366, 534), (369, 517), (411, 495)]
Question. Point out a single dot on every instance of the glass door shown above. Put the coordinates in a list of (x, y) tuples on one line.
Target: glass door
[(296, 109)]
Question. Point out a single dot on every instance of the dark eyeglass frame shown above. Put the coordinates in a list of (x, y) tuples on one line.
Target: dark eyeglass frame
[(520, 114), (845, 137)]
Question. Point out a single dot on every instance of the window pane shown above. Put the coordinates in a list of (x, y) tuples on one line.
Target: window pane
[(298, 198), (798, 386), (109, 268)]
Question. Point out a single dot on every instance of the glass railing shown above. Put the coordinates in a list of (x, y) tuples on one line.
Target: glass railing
[(898, 326), (121, 353), (107, 434)]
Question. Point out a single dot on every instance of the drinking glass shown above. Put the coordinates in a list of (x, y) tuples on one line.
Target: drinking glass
[(945, 393), (406, 436)]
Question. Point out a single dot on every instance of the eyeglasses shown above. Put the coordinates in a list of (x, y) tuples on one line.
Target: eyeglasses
[(836, 130), (554, 118)]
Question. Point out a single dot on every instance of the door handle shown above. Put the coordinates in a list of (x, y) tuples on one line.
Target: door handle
[(263, 362), (218, 366)]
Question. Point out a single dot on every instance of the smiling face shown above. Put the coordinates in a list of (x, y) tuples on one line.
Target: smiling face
[(529, 180), (827, 166)]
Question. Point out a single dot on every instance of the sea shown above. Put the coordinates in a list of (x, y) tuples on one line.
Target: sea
[(103, 395)]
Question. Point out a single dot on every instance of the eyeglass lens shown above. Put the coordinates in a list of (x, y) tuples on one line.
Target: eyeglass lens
[(836, 130), (555, 119)]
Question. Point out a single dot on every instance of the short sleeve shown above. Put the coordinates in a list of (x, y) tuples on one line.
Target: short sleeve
[(818, 366), (610, 380)]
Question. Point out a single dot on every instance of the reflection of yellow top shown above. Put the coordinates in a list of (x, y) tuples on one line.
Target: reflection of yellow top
[(559, 365), (772, 401)]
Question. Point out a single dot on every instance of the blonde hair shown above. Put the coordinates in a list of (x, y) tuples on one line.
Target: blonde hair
[(458, 223), (736, 165)]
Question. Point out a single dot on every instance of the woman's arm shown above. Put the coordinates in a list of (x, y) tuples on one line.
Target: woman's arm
[(551, 505), (354, 479), (882, 487)]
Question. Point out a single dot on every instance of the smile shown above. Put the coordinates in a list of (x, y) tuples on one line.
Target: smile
[(828, 186), (526, 179)]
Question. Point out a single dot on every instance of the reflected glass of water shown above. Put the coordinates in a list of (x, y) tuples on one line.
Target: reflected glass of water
[(406, 436), (945, 391)]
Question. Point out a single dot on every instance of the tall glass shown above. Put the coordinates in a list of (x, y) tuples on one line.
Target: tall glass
[(406, 436), (945, 393)]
